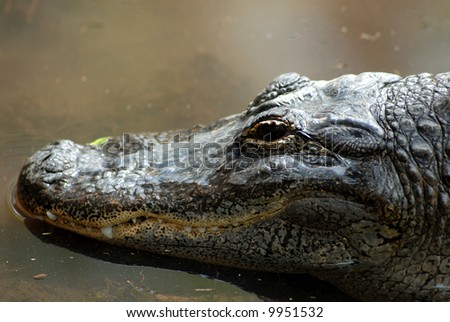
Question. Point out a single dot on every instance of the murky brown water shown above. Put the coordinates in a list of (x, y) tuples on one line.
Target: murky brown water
[(85, 69)]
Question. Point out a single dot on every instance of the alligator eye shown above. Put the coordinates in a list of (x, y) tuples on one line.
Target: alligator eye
[(268, 131)]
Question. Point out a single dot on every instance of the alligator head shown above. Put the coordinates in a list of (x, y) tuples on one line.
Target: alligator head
[(346, 179)]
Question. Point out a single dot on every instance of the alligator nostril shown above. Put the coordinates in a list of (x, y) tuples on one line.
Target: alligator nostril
[(58, 156)]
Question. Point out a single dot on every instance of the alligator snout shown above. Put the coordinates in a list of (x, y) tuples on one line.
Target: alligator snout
[(54, 162)]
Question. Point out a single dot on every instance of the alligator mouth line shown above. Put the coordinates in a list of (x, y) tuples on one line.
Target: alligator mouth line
[(132, 219), (150, 221), (107, 231)]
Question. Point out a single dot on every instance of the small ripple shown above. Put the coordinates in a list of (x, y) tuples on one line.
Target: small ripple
[(12, 204)]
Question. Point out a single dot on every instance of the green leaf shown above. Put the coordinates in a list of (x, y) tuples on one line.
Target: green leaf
[(99, 141)]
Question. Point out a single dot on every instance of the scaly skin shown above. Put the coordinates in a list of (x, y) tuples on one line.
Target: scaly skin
[(347, 180)]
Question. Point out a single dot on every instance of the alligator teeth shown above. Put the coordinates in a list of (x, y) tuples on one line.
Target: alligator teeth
[(107, 232), (160, 221), (134, 220), (89, 229), (214, 228), (201, 229), (51, 216), (188, 229)]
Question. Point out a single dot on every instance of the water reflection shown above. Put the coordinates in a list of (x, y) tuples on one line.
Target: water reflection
[(85, 69)]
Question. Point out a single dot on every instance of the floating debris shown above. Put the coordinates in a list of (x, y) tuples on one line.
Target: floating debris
[(40, 276), (369, 37), (173, 298), (341, 65)]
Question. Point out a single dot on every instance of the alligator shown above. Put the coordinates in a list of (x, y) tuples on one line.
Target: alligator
[(346, 180)]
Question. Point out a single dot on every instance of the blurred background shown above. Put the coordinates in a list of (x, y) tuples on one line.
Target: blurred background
[(86, 69)]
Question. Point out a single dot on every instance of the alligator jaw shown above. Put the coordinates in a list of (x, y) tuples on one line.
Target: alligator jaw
[(135, 220)]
